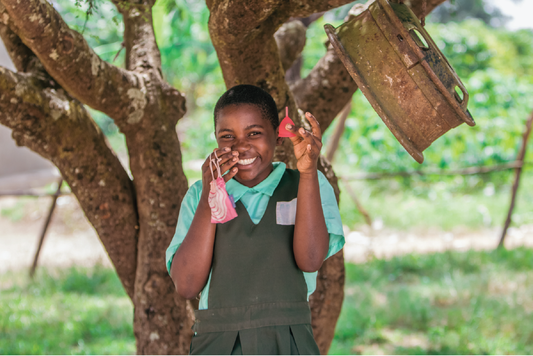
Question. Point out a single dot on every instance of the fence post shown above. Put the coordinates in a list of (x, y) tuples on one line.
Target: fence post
[(518, 172), (45, 227)]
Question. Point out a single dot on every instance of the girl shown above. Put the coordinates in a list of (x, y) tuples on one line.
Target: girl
[(256, 272)]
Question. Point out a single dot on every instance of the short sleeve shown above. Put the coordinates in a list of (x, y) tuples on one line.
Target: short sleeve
[(331, 215), (187, 210)]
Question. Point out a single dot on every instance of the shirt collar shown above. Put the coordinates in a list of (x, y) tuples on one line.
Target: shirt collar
[(267, 186)]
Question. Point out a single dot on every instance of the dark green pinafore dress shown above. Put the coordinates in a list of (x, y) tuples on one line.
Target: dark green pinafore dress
[(257, 300)]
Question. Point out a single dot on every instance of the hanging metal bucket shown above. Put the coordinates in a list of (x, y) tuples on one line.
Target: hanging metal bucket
[(402, 73)]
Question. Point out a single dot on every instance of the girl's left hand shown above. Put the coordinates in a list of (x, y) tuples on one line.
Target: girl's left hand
[(307, 145)]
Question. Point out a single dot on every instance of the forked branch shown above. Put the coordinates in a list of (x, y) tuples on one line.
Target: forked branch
[(69, 60), (57, 127)]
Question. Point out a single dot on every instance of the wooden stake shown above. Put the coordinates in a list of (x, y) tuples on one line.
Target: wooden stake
[(45, 227), (358, 204), (518, 172)]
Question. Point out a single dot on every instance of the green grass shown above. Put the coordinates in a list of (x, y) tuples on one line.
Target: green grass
[(17, 211), (470, 202), (448, 303), (70, 311)]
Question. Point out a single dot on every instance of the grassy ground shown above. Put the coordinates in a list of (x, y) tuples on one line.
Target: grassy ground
[(449, 303), (70, 311), (472, 202)]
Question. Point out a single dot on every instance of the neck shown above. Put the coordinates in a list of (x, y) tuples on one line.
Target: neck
[(258, 179)]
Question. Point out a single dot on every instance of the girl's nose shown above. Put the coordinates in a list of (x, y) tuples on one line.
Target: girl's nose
[(240, 146)]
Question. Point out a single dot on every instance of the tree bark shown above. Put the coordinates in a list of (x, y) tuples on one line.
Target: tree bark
[(59, 72), (248, 53), (59, 128), (146, 109), (162, 320)]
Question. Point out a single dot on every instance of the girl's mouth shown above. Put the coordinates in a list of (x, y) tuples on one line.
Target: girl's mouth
[(246, 162)]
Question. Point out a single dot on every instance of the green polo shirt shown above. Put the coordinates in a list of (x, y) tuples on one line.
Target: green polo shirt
[(255, 201)]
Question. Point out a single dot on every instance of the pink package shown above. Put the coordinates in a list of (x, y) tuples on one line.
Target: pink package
[(222, 209)]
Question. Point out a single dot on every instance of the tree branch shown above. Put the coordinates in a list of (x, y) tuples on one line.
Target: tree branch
[(326, 90), (146, 109), (290, 39), (418, 6), (254, 18), (22, 57), (72, 63), (305, 8), (58, 128), (142, 53)]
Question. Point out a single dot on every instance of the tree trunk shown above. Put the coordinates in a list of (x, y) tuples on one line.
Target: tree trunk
[(135, 219)]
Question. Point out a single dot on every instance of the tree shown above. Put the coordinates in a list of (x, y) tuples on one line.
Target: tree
[(460, 10), (58, 73)]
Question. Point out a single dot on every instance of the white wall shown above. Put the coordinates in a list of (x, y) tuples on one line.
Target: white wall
[(20, 168)]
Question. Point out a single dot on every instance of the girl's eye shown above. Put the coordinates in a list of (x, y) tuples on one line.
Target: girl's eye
[(254, 133), (226, 136)]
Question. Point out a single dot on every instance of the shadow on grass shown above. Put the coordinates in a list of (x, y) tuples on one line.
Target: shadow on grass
[(446, 303)]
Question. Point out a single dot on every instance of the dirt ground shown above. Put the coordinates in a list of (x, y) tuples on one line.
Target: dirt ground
[(71, 240)]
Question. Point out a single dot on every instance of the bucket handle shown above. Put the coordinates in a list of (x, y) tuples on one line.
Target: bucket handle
[(459, 91)]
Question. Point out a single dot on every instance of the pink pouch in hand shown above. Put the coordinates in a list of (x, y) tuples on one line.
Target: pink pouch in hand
[(222, 209)]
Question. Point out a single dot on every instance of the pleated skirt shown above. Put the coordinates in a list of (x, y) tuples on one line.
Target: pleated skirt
[(267, 340)]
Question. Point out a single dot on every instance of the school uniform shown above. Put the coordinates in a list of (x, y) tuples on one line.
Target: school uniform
[(256, 297)]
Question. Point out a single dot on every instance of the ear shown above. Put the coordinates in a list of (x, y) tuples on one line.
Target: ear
[(279, 140)]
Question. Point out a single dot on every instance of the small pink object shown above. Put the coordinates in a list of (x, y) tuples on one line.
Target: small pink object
[(283, 132), (222, 209)]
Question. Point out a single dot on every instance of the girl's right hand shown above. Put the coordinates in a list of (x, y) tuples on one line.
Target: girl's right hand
[(227, 159)]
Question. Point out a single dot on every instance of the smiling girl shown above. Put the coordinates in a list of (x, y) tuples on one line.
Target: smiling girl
[(255, 273)]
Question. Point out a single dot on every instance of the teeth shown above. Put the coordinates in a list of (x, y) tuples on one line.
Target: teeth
[(245, 162)]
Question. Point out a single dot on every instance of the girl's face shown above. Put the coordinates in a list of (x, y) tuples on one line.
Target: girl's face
[(243, 129)]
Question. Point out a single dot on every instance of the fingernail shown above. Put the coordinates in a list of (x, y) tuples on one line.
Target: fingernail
[(226, 149), (302, 131), (235, 159), (235, 153), (288, 126), (234, 169)]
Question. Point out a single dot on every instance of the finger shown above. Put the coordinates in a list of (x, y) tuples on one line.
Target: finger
[(231, 174), (293, 129), (228, 164), (219, 152), (213, 155), (315, 125), (228, 157), (311, 142), (307, 136)]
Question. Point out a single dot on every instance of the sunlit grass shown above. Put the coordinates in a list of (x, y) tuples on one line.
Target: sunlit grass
[(448, 303), (444, 205), (71, 311)]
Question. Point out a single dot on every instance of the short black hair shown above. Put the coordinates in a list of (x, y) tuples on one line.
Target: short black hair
[(251, 95)]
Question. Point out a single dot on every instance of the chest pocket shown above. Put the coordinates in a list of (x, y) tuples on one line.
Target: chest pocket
[(286, 212)]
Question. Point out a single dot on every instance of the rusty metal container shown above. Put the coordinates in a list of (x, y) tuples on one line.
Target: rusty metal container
[(402, 73)]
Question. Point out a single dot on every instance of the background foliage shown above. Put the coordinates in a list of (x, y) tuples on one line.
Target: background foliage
[(496, 66), (450, 303), (446, 303)]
